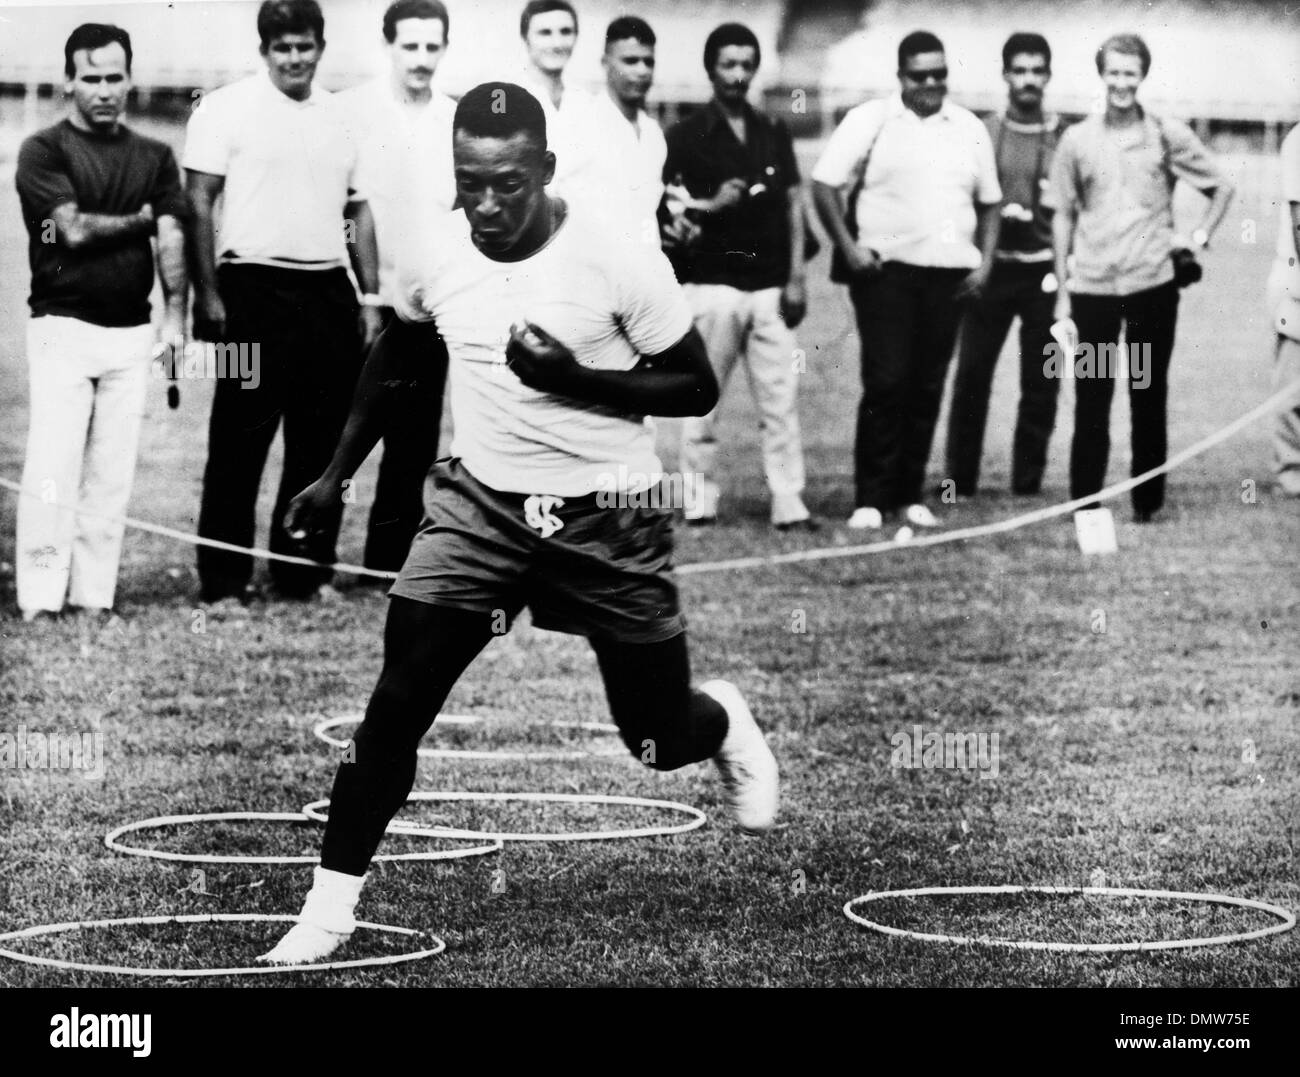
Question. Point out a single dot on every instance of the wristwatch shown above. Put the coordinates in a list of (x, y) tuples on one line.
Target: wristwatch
[(371, 300), (1201, 238)]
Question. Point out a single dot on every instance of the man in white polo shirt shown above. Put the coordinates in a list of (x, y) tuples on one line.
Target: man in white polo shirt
[(549, 29), (627, 173), (273, 275), (404, 129), (925, 194)]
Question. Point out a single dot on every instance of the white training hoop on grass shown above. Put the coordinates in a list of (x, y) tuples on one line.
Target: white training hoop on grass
[(323, 729), (208, 918), (111, 840), (1287, 918), (316, 810)]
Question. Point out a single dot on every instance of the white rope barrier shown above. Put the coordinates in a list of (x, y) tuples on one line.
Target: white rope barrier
[(1281, 398)]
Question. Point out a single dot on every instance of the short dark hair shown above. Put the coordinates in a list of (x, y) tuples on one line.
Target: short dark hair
[(729, 33), (276, 17), (94, 35), (629, 26), (501, 110), (415, 9), (1028, 44), (915, 43), (1129, 45), (542, 7)]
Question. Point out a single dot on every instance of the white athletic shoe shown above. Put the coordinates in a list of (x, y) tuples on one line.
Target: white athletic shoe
[(920, 516), (325, 923), (866, 520), (304, 944), (745, 762)]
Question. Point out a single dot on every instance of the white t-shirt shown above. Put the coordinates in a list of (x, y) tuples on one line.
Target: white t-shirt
[(609, 299), (290, 169), (627, 168), (406, 164), (923, 180)]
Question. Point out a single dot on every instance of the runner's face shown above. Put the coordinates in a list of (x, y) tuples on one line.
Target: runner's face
[(417, 48), (924, 82), (291, 60), (733, 71), (1027, 77), (629, 70), (501, 183), (100, 85), (550, 40), (1122, 75)]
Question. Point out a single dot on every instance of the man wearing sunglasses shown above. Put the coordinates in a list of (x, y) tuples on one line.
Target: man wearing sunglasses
[(922, 185)]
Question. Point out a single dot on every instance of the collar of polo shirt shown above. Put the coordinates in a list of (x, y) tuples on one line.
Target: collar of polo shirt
[(897, 108), (313, 98)]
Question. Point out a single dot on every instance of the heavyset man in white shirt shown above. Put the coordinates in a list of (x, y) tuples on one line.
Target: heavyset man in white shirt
[(272, 274), (926, 195), (563, 338), (404, 130)]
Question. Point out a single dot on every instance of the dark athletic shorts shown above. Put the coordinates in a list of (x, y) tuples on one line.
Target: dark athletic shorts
[(605, 573)]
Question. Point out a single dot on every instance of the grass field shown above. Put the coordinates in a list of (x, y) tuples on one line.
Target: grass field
[(1123, 751)]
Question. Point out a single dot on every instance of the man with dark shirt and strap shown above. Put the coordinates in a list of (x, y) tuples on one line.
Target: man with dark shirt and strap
[(744, 276), (93, 192), (1021, 283)]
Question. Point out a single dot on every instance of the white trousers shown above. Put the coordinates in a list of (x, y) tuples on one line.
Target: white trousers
[(738, 325), (87, 387), (1286, 429)]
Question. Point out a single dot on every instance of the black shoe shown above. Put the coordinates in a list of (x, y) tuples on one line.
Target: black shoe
[(1144, 516), (242, 596), (701, 521), (808, 524), (96, 615)]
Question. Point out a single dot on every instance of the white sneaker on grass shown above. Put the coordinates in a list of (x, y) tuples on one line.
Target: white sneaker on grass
[(920, 516), (304, 944), (866, 519), (325, 923), (745, 762)]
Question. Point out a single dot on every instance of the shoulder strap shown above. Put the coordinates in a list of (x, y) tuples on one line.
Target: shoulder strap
[(851, 214)]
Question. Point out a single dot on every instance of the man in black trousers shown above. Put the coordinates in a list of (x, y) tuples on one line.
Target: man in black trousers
[(1021, 284), (282, 155)]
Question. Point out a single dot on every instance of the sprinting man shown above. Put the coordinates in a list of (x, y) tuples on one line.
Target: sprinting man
[(1021, 284), (404, 129), (93, 192), (273, 272), (562, 339), (1113, 182), (744, 275)]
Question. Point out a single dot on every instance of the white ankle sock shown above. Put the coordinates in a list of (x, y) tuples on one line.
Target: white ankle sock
[(332, 900)]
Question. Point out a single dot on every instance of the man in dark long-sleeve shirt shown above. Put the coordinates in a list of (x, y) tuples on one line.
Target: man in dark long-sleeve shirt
[(93, 193)]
